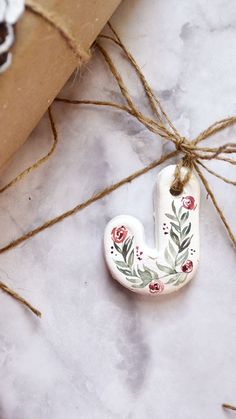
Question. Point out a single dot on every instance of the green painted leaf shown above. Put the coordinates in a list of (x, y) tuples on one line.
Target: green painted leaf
[(174, 237), (185, 244), (141, 285), (134, 280), (173, 207), (131, 258), (173, 278), (171, 217), (145, 276), (118, 249), (127, 246), (166, 269), (127, 240), (130, 244), (180, 211), (175, 226), (154, 274), (185, 241), (124, 271), (168, 257), (182, 258), (186, 230), (172, 250), (181, 279), (146, 281), (184, 217), (120, 263), (124, 250)]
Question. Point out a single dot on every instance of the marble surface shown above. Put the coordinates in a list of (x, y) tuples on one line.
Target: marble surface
[(100, 352)]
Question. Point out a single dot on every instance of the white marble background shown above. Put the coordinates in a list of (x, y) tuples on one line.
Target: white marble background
[(100, 352)]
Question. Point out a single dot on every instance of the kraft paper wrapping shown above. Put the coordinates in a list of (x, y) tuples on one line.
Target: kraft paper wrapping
[(42, 63)]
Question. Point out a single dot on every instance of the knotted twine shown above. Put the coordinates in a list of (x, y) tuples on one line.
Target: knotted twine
[(159, 124)]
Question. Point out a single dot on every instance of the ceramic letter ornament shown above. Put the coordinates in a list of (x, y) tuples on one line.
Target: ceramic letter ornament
[(174, 262)]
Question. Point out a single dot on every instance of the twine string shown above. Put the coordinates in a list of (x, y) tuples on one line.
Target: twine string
[(40, 161), (93, 198), (5, 288), (229, 406), (18, 298), (55, 21), (81, 56), (161, 126), (192, 152)]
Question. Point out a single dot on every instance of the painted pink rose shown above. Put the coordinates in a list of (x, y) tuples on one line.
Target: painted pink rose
[(119, 234), (187, 266), (156, 286), (188, 202)]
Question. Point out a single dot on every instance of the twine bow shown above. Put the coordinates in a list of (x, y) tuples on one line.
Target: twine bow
[(159, 124), (193, 152)]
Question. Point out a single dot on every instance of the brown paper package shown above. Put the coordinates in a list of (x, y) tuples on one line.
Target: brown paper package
[(42, 63)]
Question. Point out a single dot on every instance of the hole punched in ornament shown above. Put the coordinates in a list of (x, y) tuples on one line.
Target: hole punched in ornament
[(174, 261), (182, 173)]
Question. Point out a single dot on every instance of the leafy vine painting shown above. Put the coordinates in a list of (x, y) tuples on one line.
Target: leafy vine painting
[(173, 263), (128, 258)]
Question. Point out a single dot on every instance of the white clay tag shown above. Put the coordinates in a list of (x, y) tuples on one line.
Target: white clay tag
[(169, 267)]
